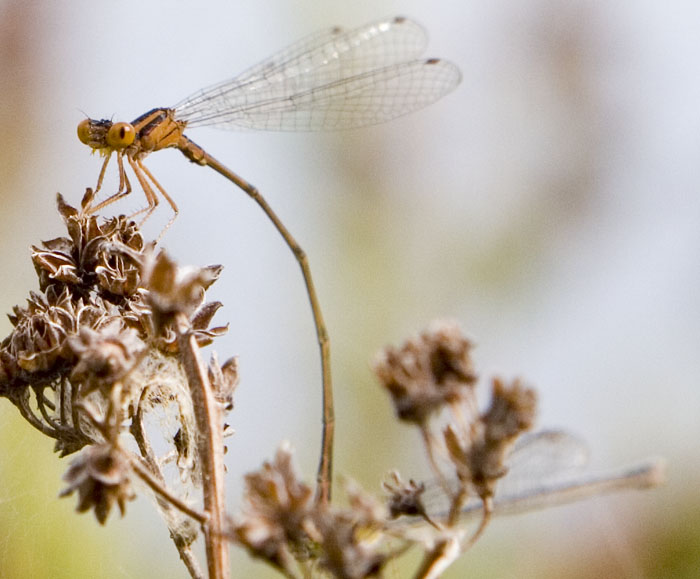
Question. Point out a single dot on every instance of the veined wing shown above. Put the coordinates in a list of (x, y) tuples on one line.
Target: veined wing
[(537, 459), (332, 80), (547, 468), (373, 45), (544, 456), (285, 58)]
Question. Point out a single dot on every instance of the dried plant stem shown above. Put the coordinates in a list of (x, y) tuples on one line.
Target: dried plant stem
[(159, 488), (189, 560), (449, 550), (487, 511), (151, 474), (22, 404), (167, 501), (211, 449), (439, 559), (430, 447)]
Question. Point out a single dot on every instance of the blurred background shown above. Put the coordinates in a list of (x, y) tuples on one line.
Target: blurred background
[(550, 205)]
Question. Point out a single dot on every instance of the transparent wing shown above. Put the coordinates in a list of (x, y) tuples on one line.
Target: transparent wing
[(643, 475), (332, 80), (547, 468), (190, 106), (361, 100), (540, 459), (370, 46), (545, 456)]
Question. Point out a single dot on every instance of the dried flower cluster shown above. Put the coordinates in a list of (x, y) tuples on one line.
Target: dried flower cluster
[(427, 373), (432, 373), (105, 358), (283, 525), (94, 360), (100, 476)]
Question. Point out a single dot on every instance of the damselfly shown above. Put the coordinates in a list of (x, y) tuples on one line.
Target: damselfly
[(335, 79)]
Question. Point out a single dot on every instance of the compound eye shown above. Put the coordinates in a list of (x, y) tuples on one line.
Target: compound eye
[(85, 131), (120, 135)]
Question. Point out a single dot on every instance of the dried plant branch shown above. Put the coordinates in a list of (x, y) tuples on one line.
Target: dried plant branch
[(105, 359), (157, 486), (153, 477), (438, 559), (108, 342)]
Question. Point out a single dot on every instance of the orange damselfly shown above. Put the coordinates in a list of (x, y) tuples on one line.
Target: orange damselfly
[(334, 79)]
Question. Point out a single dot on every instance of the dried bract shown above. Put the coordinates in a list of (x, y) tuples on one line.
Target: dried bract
[(224, 380)]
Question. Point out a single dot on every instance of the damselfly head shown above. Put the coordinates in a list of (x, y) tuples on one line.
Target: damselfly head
[(105, 134)]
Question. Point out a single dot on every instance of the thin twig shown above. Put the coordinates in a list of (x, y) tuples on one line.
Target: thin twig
[(429, 443), (155, 485), (164, 499), (439, 559), (22, 404)]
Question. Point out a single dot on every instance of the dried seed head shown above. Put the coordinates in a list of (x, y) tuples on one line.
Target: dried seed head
[(347, 538), (54, 262), (38, 343), (101, 476), (4, 376), (173, 289), (90, 279), (427, 372), (512, 411), (118, 273), (346, 545), (169, 289), (276, 503), (281, 522), (404, 498), (88, 359), (99, 255)]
